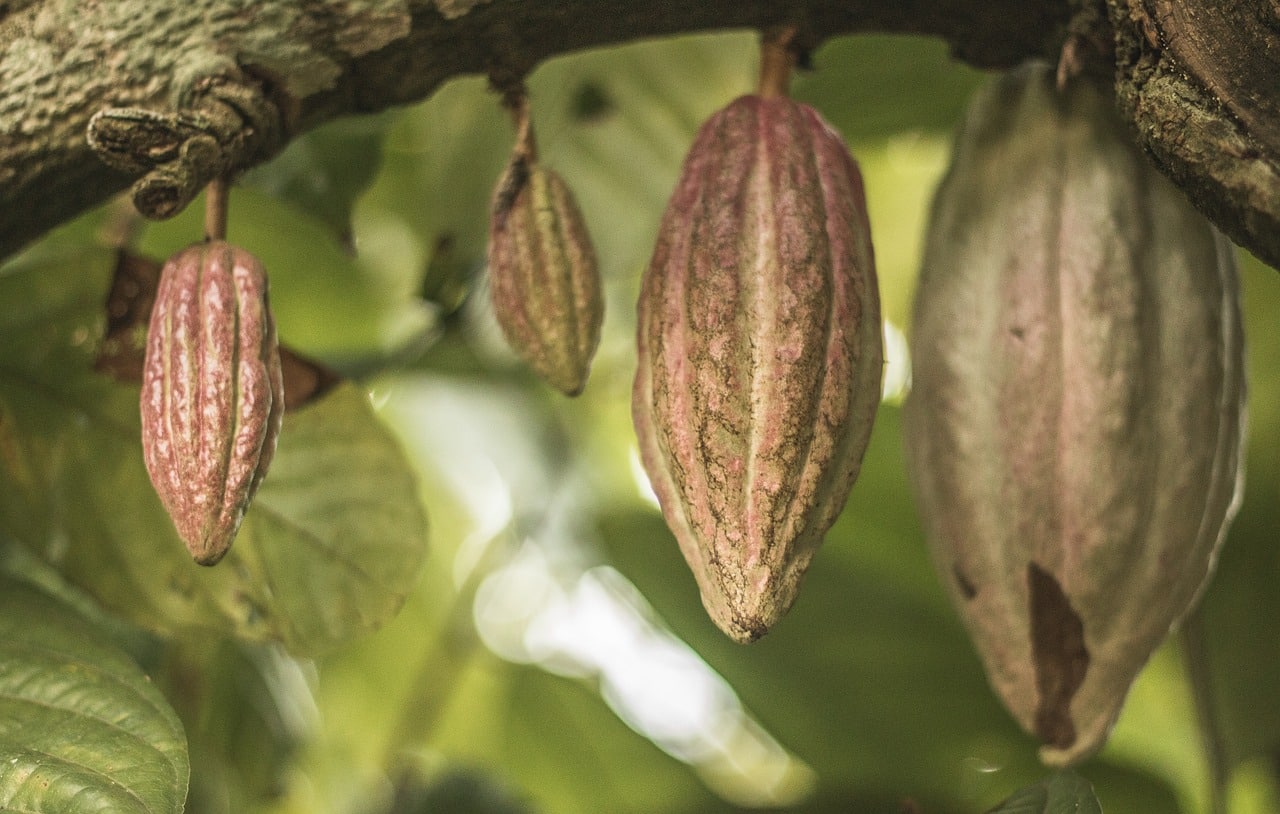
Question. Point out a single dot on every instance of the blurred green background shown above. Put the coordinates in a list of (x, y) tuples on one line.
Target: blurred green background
[(552, 655)]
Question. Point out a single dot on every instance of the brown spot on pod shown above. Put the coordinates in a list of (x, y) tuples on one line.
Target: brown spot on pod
[(1075, 426), (1061, 658), (760, 354), (212, 392)]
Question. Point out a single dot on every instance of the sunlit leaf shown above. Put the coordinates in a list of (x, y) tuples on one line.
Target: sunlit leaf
[(81, 728), (328, 550)]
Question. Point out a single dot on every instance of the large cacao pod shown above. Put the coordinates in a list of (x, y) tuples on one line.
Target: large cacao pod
[(543, 278), (760, 354), (212, 392), (1075, 425)]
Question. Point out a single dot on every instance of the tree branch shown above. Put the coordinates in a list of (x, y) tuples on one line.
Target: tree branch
[(168, 94), (1201, 83), (160, 71)]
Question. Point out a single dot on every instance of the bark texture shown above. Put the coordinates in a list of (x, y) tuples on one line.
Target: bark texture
[(174, 92), (1201, 83)]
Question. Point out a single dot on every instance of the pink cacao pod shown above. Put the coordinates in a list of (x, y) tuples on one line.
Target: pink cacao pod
[(212, 392), (760, 354), (544, 282), (1075, 427)]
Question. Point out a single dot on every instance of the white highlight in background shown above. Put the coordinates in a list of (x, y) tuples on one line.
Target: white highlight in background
[(601, 627)]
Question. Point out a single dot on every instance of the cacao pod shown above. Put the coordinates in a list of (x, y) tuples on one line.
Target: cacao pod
[(212, 392), (760, 354), (1074, 432), (544, 282)]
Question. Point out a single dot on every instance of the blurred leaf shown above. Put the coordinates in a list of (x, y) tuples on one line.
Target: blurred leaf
[(1254, 788), (324, 171), (450, 272), (1064, 793), (1158, 730), (555, 739), (900, 174), (498, 454), (81, 728), (427, 212), (246, 709), (1241, 606), (882, 86), (458, 791), (329, 549)]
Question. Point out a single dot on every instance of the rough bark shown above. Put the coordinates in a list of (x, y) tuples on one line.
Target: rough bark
[(173, 92), (1201, 83)]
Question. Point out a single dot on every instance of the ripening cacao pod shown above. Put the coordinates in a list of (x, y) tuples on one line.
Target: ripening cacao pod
[(212, 392), (760, 354), (1074, 432), (543, 278)]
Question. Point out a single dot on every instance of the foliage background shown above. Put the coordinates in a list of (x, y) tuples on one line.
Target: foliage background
[(551, 653)]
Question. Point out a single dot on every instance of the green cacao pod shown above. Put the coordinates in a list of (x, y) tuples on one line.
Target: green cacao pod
[(543, 278), (1074, 432), (212, 392), (760, 354)]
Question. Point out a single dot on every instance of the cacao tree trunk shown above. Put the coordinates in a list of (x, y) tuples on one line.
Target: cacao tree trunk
[(175, 92)]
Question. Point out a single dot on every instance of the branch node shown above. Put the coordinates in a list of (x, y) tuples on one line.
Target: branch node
[(229, 126)]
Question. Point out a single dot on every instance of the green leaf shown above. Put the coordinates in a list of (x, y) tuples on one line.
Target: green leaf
[(336, 534), (1064, 793), (329, 549), (81, 728)]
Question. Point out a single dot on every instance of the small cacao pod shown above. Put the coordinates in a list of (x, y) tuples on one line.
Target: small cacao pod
[(1075, 425), (760, 354), (212, 392), (543, 278)]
